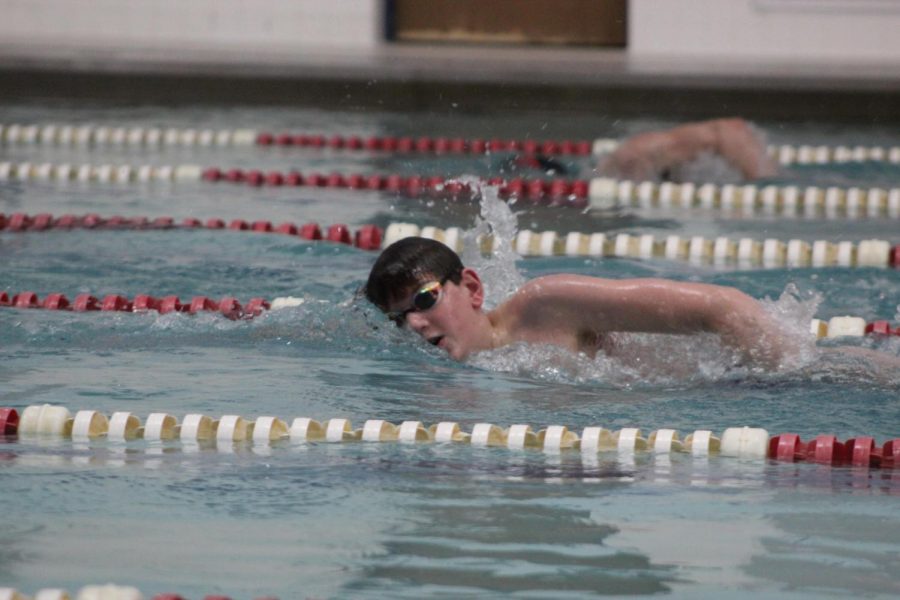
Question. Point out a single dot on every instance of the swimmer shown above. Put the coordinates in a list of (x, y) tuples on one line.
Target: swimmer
[(665, 155), (422, 284)]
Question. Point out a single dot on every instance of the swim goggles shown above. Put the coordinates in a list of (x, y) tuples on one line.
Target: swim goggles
[(424, 299)]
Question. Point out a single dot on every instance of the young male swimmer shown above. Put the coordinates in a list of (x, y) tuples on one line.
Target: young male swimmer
[(422, 284)]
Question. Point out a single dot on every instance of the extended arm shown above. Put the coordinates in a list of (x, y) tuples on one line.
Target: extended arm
[(589, 304), (646, 155)]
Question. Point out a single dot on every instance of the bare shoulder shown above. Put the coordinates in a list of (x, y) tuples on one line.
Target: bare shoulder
[(539, 295), (568, 286), (554, 290), (560, 284), (554, 295), (548, 309)]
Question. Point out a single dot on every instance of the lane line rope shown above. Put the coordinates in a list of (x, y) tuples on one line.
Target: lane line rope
[(230, 307), (120, 136), (366, 237), (742, 442), (597, 193), (721, 251)]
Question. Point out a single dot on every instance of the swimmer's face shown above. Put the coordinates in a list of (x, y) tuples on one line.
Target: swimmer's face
[(450, 322)]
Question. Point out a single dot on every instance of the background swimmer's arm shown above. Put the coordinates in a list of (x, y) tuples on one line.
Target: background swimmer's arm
[(647, 155), (653, 306), (743, 147)]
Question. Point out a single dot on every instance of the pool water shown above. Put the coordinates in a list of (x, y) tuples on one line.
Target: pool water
[(394, 520)]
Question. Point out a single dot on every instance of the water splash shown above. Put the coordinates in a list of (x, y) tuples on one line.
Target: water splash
[(498, 270), (793, 312), (640, 360), (707, 167)]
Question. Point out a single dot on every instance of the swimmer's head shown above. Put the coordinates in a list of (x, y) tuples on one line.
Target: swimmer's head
[(422, 286), (407, 264)]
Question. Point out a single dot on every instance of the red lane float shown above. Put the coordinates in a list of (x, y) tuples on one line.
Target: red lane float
[(110, 591), (826, 449), (26, 300), (256, 306), (85, 303), (171, 304), (20, 222), (202, 303), (114, 302), (56, 302), (339, 234), (881, 328), (228, 306), (143, 302), (427, 145), (367, 237), (207, 597), (9, 421)]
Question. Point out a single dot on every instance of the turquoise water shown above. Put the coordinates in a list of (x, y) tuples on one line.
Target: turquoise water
[(390, 520)]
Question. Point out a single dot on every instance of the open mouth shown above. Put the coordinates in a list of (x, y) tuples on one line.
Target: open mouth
[(434, 341)]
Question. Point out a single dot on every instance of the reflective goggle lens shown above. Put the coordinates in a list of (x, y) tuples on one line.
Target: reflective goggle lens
[(427, 297)]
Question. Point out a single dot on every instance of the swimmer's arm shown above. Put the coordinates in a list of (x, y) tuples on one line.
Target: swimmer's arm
[(588, 304), (646, 155), (741, 146)]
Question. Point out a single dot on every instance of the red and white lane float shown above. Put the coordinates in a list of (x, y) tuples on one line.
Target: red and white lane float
[(537, 190), (850, 327), (785, 154), (741, 442), (88, 136), (598, 193), (720, 251)]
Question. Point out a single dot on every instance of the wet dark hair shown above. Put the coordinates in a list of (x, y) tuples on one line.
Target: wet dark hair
[(407, 263)]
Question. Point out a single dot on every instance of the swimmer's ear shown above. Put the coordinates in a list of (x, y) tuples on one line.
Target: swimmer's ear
[(471, 282)]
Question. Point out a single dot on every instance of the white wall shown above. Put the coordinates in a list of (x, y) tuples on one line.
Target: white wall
[(174, 25), (829, 31), (806, 30)]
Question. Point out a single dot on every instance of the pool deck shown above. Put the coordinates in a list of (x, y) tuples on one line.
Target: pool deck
[(429, 76)]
